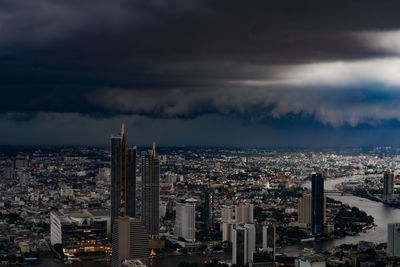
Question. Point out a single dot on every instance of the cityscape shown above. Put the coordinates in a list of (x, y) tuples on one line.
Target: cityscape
[(124, 205), (199, 133)]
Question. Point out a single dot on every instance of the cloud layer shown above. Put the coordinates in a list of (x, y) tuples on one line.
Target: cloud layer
[(169, 59), (335, 108)]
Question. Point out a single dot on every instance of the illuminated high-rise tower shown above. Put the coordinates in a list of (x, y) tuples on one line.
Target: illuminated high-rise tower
[(151, 191), (123, 177)]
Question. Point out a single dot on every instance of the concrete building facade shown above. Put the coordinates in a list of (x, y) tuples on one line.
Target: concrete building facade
[(393, 240), (244, 213), (185, 220), (130, 242)]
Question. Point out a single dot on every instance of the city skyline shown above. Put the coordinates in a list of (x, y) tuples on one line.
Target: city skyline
[(258, 200)]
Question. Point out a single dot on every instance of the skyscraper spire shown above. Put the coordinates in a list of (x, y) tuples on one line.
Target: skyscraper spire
[(153, 152)]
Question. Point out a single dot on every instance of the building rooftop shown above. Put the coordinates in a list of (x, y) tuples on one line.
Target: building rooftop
[(79, 215), (99, 213)]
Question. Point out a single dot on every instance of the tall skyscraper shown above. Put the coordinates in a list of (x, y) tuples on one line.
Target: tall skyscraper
[(151, 192), (131, 182), (244, 213), (116, 173), (388, 184), (130, 241), (186, 219), (123, 177), (317, 204), (244, 244)]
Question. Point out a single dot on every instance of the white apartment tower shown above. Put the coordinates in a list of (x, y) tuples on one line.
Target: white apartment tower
[(186, 219)]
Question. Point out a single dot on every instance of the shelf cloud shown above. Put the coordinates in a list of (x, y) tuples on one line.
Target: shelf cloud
[(171, 59)]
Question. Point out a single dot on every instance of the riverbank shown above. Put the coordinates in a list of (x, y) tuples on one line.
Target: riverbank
[(369, 194), (382, 214), (343, 220), (368, 187)]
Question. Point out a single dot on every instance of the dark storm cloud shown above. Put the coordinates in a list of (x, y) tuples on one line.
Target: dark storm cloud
[(186, 58), (329, 107)]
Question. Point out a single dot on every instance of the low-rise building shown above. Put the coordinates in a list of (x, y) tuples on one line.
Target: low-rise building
[(80, 232)]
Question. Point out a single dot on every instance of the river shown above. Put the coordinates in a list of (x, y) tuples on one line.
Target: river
[(381, 213)]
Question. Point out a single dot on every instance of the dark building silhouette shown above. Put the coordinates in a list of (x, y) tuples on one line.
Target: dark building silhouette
[(240, 246), (317, 204), (116, 170), (388, 184), (131, 182), (151, 192)]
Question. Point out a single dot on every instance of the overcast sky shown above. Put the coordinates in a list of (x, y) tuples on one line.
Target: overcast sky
[(226, 72)]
